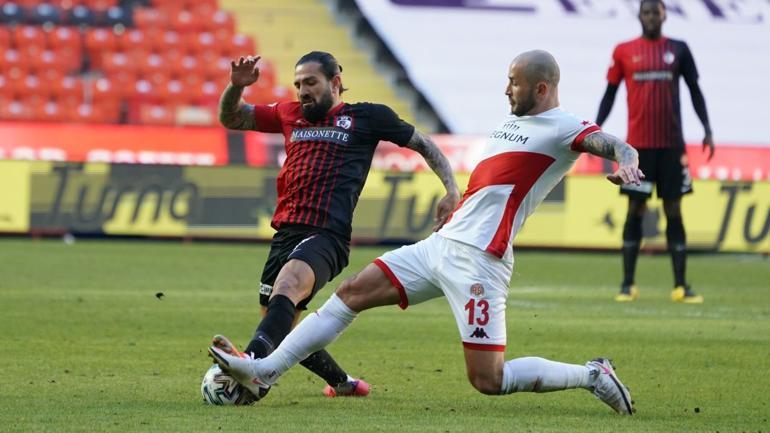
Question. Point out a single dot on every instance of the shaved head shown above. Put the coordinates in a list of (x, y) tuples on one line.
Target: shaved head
[(538, 66)]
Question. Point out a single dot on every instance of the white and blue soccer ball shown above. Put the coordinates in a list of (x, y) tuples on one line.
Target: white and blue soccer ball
[(220, 389)]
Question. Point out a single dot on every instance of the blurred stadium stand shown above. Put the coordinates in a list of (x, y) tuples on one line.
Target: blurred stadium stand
[(165, 62), (121, 61)]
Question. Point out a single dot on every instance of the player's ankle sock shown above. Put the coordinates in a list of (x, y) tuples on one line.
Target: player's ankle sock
[(677, 246), (273, 328), (322, 364), (533, 374), (632, 237), (314, 333)]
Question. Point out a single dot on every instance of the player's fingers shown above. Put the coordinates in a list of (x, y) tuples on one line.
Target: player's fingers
[(640, 173), (232, 64), (711, 152), (240, 61), (614, 179)]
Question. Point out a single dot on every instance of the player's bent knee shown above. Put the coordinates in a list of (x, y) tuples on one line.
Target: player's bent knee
[(291, 288), (486, 382)]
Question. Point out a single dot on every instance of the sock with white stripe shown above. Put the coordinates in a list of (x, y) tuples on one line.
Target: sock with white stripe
[(316, 331), (533, 374)]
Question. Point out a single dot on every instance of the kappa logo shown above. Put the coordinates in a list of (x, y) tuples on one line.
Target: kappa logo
[(477, 290), (344, 122), (479, 333)]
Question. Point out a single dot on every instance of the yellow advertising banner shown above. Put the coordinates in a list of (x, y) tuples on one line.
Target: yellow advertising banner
[(238, 202), (14, 197)]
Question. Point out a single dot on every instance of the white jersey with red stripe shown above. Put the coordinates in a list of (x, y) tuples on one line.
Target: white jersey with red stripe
[(524, 159)]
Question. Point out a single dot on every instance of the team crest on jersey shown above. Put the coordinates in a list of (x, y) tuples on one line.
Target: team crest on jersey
[(344, 122), (477, 290), (668, 57)]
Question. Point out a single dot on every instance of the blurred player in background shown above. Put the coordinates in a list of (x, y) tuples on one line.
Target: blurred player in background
[(470, 259), (651, 66), (329, 149)]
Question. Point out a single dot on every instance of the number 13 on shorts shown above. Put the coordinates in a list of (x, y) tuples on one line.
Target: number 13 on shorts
[(478, 312)]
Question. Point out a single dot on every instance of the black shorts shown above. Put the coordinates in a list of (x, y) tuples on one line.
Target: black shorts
[(665, 168), (325, 252)]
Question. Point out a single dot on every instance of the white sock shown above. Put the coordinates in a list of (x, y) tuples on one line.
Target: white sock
[(315, 332), (532, 374)]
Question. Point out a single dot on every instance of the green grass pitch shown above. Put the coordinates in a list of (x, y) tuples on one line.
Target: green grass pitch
[(88, 347)]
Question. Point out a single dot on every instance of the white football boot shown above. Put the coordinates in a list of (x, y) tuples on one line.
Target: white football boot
[(608, 388), (244, 370)]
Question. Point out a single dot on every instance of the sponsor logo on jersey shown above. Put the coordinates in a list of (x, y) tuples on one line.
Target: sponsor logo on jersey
[(479, 333), (477, 290), (332, 135), (654, 76), (344, 122)]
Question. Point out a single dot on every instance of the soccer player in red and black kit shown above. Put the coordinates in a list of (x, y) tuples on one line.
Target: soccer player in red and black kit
[(651, 66), (329, 149)]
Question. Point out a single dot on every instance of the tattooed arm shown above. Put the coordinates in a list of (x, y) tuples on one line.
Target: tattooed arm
[(423, 145), (610, 147), (234, 113)]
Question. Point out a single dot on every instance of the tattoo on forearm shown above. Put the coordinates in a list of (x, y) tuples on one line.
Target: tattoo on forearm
[(436, 160), (610, 147), (233, 112)]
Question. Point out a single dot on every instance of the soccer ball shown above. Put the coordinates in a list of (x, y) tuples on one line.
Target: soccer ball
[(219, 388)]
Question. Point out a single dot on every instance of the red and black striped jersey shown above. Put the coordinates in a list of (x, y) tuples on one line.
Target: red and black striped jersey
[(651, 70), (327, 162)]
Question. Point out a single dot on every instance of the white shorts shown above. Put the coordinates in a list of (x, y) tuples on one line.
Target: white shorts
[(474, 282)]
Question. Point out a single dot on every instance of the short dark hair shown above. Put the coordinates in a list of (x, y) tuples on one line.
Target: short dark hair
[(660, 2), (329, 65)]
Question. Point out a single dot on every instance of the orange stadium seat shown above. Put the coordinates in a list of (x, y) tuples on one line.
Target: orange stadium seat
[(223, 20), (68, 44), (12, 62), (103, 90), (185, 21), (131, 40), (157, 114), (200, 41), (150, 18), (68, 90), (170, 40), (5, 87), (242, 45), (49, 111), (15, 109), (97, 42), (5, 38), (208, 93), (100, 5), (30, 39), (152, 63), (218, 70), (116, 61), (175, 92)]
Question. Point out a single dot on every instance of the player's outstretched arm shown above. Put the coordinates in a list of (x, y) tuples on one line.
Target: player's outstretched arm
[(610, 147), (423, 145), (234, 113)]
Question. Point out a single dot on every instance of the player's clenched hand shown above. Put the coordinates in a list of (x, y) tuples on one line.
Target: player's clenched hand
[(629, 174), (445, 207), (245, 72)]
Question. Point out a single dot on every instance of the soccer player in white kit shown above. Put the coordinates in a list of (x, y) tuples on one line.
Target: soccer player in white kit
[(470, 260)]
